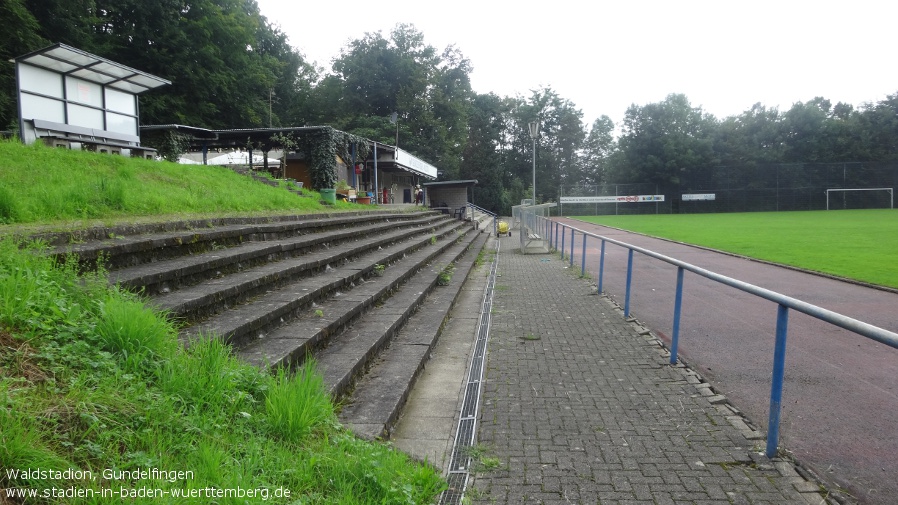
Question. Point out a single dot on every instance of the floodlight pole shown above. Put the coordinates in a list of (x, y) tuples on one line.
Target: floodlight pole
[(534, 134), (394, 118), (270, 94)]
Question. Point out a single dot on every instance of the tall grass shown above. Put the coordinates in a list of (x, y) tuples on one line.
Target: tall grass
[(298, 403), (42, 184), (127, 328), (855, 244), (91, 379)]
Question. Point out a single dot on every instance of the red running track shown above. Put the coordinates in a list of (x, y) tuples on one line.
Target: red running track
[(840, 400)]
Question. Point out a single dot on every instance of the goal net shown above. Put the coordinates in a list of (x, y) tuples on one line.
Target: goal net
[(860, 198)]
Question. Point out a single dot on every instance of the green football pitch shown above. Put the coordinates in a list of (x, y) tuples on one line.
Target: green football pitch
[(856, 244)]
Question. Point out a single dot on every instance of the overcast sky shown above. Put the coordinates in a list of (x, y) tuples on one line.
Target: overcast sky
[(604, 56)]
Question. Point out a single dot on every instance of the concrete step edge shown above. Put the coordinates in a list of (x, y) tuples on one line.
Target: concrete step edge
[(130, 247), (253, 318), (339, 381), (204, 300), (379, 396), (169, 274)]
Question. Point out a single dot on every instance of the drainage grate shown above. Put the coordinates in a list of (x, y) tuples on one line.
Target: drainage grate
[(460, 463)]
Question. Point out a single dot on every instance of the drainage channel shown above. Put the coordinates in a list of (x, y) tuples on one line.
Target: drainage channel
[(466, 432)]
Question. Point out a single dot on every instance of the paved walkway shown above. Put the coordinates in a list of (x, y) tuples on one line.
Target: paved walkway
[(581, 406)]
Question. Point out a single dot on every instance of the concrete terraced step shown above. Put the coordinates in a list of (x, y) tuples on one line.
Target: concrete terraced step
[(133, 245), (483, 222), (272, 307), (379, 396), (167, 275), (210, 297), (385, 301), (285, 288)]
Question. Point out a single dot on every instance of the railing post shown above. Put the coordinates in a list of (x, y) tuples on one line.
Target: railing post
[(563, 230), (555, 242), (572, 247), (601, 267), (583, 258), (629, 282), (678, 305), (776, 386), (552, 227)]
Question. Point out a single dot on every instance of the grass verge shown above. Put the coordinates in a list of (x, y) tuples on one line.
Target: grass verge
[(39, 184), (94, 385)]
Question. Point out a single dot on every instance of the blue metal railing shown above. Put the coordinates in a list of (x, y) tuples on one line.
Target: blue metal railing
[(783, 302), (495, 217)]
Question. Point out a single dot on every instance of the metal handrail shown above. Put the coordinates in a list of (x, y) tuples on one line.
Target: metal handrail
[(484, 211), (783, 302)]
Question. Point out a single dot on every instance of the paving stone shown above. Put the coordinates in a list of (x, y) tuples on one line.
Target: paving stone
[(603, 417)]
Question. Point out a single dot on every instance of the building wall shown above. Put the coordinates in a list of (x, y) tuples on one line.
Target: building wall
[(298, 169), (401, 185), (451, 197)]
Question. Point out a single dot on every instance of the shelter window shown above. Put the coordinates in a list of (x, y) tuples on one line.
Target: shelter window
[(120, 102), (38, 106), (85, 116), (40, 81), (81, 91), (121, 124)]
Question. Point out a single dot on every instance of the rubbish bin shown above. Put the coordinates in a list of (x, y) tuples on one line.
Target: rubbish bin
[(329, 195)]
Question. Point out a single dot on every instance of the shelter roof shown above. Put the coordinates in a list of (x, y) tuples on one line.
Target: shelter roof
[(68, 60), (451, 184), (389, 157), (198, 133)]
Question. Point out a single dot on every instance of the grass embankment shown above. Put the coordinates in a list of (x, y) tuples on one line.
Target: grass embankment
[(855, 244), (93, 383), (43, 185)]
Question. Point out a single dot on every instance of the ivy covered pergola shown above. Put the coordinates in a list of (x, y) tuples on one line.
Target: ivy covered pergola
[(321, 145)]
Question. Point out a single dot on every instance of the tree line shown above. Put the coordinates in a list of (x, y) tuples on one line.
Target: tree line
[(231, 67)]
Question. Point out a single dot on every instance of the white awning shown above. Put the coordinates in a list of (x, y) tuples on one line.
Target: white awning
[(68, 60)]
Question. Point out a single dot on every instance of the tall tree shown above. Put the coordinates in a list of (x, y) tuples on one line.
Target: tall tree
[(225, 61), (557, 150), (664, 142), (69, 22), (482, 158), (804, 127), (755, 136), (430, 92), (20, 35), (877, 127), (450, 102), (597, 150)]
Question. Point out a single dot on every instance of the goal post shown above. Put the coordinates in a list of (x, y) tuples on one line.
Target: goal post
[(890, 192)]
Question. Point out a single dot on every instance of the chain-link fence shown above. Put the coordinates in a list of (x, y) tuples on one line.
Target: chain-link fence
[(776, 187)]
